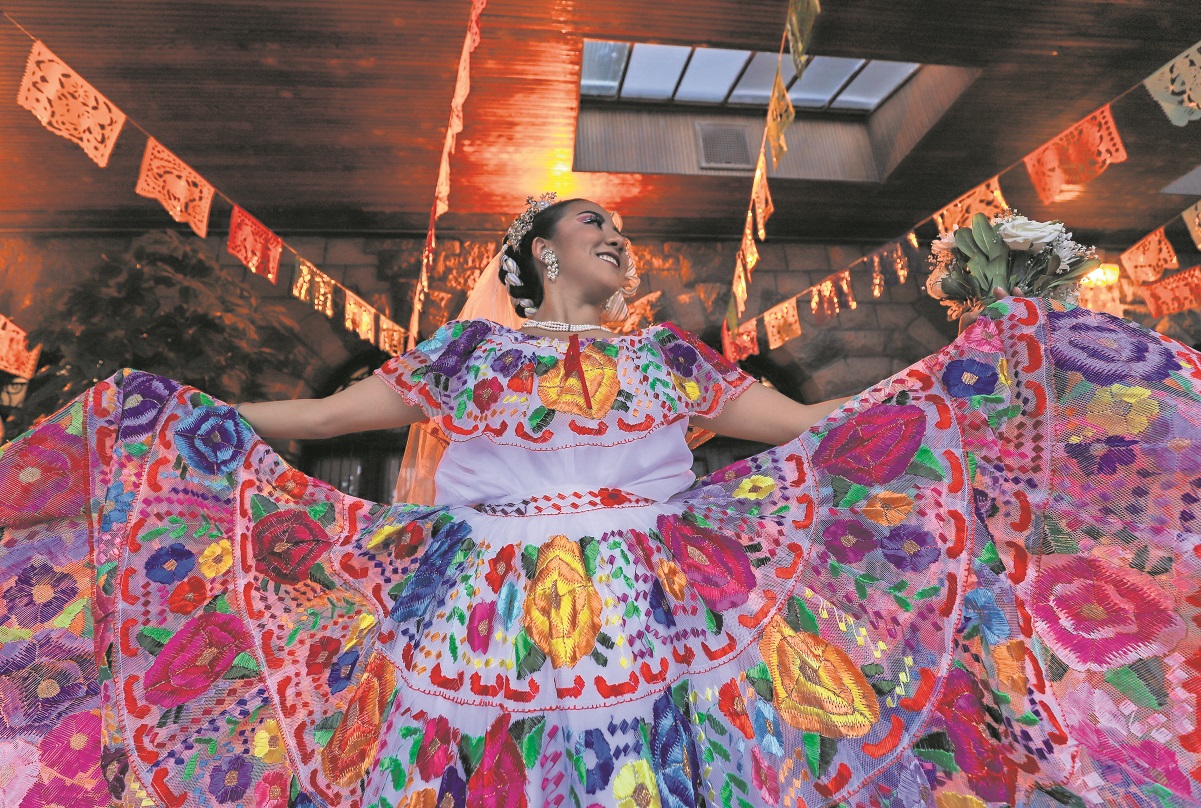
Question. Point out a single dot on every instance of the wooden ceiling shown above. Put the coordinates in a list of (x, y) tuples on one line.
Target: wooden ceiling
[(328, 116)]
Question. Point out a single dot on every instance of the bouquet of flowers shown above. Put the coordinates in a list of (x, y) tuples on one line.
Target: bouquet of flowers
[(1010, 251)]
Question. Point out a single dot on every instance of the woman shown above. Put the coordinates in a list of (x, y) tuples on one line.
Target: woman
[(973, 587)]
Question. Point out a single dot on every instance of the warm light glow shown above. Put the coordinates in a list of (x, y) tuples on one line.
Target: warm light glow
[(1104, 275)]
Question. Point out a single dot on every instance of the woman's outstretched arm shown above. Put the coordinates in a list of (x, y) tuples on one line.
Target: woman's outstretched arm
[(365, 405), (767, 416)]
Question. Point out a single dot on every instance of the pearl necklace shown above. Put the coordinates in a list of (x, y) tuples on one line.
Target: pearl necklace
[(555, 325)]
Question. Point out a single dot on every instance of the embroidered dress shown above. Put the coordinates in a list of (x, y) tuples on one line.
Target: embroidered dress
[(976, 584)]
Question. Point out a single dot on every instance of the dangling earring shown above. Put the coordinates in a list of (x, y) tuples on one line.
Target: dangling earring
[(552, 264)]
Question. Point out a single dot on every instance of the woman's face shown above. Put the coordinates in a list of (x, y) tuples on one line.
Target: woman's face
[(592, 252)]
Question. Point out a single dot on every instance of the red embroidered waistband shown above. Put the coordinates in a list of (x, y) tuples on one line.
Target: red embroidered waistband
[(565, 502)]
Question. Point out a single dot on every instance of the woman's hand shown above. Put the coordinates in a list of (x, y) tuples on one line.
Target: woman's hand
[(998, 292)]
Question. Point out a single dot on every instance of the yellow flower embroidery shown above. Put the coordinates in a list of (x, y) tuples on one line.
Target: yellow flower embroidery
[(888, 508), (216, 558), (818, 686), (268, 746), (634, 786), (563, 609), (686, 387), (559, 390), (950, 799), (1122, 410), (755, 486)]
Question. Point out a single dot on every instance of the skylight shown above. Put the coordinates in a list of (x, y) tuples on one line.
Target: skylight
[(719, 76)]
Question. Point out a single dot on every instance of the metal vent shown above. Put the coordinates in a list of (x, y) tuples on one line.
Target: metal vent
[(723, 145)]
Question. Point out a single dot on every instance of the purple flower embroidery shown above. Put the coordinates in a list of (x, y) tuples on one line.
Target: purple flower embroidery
[(39, 594), (681, 358), (848, 540), (231, 778), (965, 378), (1102, 456), (143, 397), (212, 440), (508, 362), (1106, 350), (42, 680), (459, 349), (909, 548)]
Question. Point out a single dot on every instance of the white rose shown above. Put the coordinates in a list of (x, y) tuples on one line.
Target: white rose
[(945, 242), (1022, 234)]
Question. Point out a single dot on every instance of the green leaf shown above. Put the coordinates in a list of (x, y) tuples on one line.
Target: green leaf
[(137, 449), (589, 549), (529, 656), (840, 486), (714, 621), (67, 615), (153, 639), (854, 495), (965, 242), (928, 592), (540, 419), (529, 560), (260, 506), (985, 237), (799, 618), (471, 750), (320, 511), (1142, 682), (760, 679), (528, 736), (318, 575)]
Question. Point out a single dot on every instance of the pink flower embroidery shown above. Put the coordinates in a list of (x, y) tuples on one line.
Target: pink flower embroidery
[(715, 564), (479, 626), (875, 446), (1097, 616), (73, 747), (196, 657)]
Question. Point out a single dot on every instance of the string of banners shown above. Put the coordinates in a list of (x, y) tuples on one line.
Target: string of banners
[(798, 31), (1059, 171), (69, 106)]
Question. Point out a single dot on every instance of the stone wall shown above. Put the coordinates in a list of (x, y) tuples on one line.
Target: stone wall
[(840, 357)]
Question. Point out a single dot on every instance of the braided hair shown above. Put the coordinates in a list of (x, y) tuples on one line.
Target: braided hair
[(518, 272)]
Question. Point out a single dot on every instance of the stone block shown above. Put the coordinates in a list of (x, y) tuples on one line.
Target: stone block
[(840, 255), (347, 251), (808, 257), (847, 377), (926, 335), (894, 316), (311, 247), (906, 292)]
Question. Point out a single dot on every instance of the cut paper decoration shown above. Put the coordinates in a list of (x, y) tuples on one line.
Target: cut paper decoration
[(360, 317), (1178, 293), (391, 337), (311, 285), (824, 301), (185, 195), (254, 245), (985, 198), (748, 249), (1192, 220), (15, 357), (1146, 261), (740, 343), (761, 196), (1177, 87), (802, 14), (782, 323), (843, 281), (877, 275), (68, 106), (1061, 168), (780, 114), (740, 285)]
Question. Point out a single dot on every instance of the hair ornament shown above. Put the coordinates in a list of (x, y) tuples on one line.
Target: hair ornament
[(512, 273), (522, 224)]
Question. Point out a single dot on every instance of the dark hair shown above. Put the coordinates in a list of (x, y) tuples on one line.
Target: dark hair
[(543, 225)]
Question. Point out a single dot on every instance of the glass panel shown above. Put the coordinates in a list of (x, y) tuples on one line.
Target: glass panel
[(755, 85), (654, 71), (873, 84), (821, 80), (710, 74), (601, 71)]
